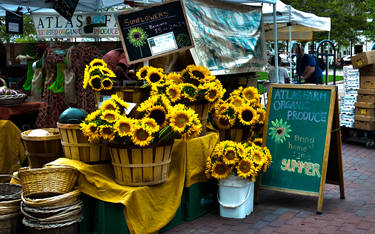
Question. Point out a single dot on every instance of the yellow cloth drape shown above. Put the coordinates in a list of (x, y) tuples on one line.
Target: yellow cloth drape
[(12, 152), (148, 208)]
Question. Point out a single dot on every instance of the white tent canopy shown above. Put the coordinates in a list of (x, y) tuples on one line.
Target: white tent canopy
[(302, 24)]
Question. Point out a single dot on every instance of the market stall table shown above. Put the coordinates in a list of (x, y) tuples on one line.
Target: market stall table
[(26, 108), (148, 208)]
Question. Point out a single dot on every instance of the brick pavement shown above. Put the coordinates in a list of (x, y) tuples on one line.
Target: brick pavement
[(288, 213)]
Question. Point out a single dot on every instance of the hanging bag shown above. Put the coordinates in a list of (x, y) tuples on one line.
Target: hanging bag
[(70, 95)]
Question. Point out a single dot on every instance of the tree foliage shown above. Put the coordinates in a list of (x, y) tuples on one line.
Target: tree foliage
[(29, 33), (348, 17)]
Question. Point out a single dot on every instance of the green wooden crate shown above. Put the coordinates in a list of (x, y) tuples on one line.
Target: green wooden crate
[(105, 217), (199, 199)]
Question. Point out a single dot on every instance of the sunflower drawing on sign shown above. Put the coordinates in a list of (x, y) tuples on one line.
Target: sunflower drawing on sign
[(279, 131), (137, 37)]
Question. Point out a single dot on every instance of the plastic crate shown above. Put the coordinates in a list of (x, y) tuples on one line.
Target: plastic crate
[(105, 217), (199, 199)]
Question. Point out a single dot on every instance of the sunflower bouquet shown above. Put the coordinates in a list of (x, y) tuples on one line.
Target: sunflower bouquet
[(159, 122), (242, 110), (245, 160), (98, 76), (193, 84)]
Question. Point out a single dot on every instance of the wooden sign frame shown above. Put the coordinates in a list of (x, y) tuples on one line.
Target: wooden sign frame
[(332, 147), (158, 55)]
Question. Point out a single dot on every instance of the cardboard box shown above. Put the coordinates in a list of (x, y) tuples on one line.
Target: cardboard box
[(363, 59), (364, 122), (368, 82), (370, 98), (364, 108), (367, 70)]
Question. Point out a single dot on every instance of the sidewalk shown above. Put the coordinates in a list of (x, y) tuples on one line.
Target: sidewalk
[(287, 213)]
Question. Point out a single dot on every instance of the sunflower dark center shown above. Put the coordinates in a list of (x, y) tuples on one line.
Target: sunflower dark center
[(247, 115), (142, 134), (198, 74), (93, 129), (181, 120), (144, 74), (245, 167), (125, 127), (106, 83), (172, 92), (230, 155), (224, 122), (155, 77), (220, 169), (257, 157), (212, 93), (107, 131), (158, 116), (110, 117), (96, 83), (136, 36)]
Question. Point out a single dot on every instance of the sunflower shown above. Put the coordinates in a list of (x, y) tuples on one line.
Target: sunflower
[(96, 83), (124, 126), (174, 92), (154, 76), (223, 122), (212, 94), (97, 62), (91, 130), (189, 91), (142, 73), (279, 131), (220, 170), (245, 168), (119, 101), (230, 155), (107, 132), (179, 120), (141, 136), (194, 131), (250, 93), (258, 141), (257, 156), (198, 72), (151, 124), (208, 168), (137, 36), (236, 102), (110, 116), (247, 115), (107, 84), (159, 114), (109, 105), (174, 77), (93, 115), (268, 157), (262, 115), (107, 72)]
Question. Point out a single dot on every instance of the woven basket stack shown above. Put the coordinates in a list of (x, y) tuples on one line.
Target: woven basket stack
[(49, 203), (10, 199)]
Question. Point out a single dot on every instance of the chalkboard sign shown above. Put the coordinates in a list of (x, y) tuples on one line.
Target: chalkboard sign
[(155, 31), (14, 22), (66, 8), (298, 134)]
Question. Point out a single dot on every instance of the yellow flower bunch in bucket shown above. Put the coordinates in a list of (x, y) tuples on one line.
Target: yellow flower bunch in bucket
[(245, 160), (98, 76)]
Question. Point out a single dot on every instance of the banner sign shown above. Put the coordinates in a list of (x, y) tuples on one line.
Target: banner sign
[(228, 38), (14, 23), (53, 25)]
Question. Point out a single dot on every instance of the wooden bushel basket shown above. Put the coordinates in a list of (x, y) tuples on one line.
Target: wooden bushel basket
[(76, 145), (235, 134), (141, 166), (132, 94), (42, 149), (202, 110)]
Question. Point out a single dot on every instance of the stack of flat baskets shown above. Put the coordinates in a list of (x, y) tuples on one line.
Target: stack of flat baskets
[(49, 203), (76, 145), (42, 149), (10, 215)]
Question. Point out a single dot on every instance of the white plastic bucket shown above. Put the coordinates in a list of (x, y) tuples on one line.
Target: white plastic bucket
[(236, 197)]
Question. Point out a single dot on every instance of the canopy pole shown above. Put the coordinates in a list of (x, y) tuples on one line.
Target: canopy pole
[(290, 41), (275, 44)]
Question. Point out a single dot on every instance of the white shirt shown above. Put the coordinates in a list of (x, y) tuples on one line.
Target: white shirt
[(283, 74)]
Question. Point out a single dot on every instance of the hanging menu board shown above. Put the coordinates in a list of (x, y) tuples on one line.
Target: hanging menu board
[(155, 31), (298, 134), (14, 22)]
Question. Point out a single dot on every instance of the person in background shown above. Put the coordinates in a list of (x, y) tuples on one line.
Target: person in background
[(283, 72), (3, 58), (307, 68), (116, 61)]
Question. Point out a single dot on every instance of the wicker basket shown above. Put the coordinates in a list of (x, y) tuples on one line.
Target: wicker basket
[(42, 150), (10, 191), (53, 202), (202, 110), (10, 203), (62, 228), (47, 181), (141, 166), (64, 216), (12, 100), (9, 224), (76, 145), (45, 212)]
